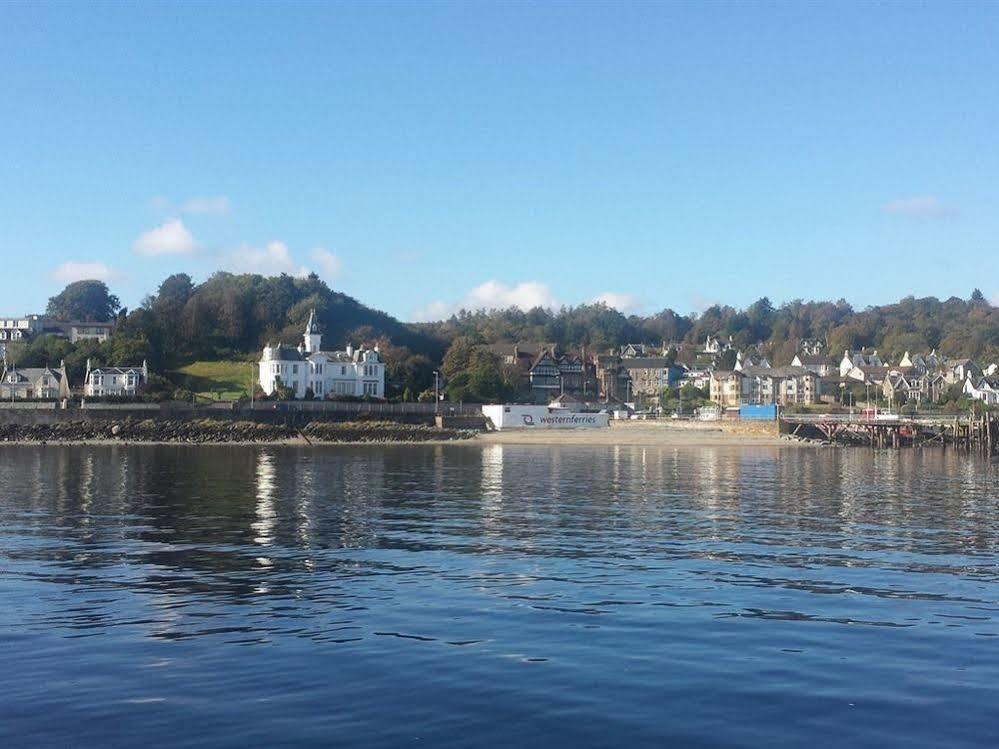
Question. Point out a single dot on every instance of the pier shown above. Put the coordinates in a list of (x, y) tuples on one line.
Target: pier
[(973, 433)]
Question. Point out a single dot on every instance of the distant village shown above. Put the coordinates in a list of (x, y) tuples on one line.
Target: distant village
[(52, 382), (635, 377), (638, 374)]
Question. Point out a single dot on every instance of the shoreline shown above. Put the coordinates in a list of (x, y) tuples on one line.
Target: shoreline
[(650, 434), (628, 433)]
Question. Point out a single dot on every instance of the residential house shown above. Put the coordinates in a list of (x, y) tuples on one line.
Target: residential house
[(855, 359), (545, 378), (613, 379), (957, 371), (867, 374), (578, 374), (17, 330), (650, 374), (23, 329), (79, 331), (750, 359), (811, 346), (820, 364), (34, 382), (114, 381), (983, 388), (632, 350), (521, 354), (699, 377), (717, 345), (911, 361), (912, 385), (351, 372)]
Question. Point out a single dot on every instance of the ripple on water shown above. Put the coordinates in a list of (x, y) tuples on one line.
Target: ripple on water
[(481, 595)]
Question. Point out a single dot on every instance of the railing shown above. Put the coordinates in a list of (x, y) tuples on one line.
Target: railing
[(426, 409), (879, 418)]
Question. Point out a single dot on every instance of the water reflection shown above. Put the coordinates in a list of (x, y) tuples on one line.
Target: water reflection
[(540, 555)]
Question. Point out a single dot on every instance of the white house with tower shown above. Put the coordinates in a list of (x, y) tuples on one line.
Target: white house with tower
[(356, 372)]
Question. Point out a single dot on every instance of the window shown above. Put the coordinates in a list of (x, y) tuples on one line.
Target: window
[(343, 370), (371, 388), (294, 369)]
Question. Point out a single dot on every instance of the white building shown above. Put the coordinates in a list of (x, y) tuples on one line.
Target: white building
[(858, 360), (985, 389), (357, 372), (17, 329), (114, 381)]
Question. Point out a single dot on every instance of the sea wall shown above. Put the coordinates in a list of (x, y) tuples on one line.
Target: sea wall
[(267, 413), (135, 430)]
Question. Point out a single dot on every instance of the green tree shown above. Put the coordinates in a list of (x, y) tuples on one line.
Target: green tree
[(86, 301)]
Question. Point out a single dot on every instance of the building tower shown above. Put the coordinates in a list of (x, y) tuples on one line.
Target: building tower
[(313, 338)]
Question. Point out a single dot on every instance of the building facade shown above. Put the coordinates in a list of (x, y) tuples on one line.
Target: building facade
[(352, 372), (34, 382), (985, 389), (114, 381)]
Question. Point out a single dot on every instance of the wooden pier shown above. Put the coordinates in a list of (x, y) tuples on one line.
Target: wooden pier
[(972, 433)]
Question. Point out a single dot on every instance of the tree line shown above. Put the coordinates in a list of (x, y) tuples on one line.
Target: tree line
[(232, 316)]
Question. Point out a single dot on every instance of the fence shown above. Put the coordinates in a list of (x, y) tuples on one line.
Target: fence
[(423, 409)]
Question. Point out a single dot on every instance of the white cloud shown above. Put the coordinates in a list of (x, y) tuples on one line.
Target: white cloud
[(328, 264), (217, 205), (492, 294), (495, 294), (625, 303), (169, 238), (73, 270), (272, 260), (919, 207)]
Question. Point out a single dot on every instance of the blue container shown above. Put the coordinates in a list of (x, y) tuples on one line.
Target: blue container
[(759, 413)]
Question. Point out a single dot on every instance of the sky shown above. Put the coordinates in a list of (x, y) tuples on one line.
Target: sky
[(424, 157)]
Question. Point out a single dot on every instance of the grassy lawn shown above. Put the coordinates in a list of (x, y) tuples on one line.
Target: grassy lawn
[(216, 380)]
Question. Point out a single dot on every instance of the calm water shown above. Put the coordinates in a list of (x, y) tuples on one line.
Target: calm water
[(484, 595)]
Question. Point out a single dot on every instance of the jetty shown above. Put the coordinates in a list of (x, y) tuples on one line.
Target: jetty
[(973, 433)]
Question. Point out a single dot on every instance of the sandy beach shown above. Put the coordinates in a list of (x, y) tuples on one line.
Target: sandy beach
[(646, 433)]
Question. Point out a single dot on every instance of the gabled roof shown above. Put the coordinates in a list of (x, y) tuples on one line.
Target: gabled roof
[(284, 353), (814, 359), (521, 349), (121, 369), (31, 374)]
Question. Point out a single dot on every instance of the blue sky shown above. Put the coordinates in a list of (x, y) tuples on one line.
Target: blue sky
[(426, 156)]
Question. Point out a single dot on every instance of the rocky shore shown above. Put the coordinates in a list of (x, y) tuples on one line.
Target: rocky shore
[(210, 431)]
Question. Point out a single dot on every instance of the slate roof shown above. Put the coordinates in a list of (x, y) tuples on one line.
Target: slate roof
[(31, 374)]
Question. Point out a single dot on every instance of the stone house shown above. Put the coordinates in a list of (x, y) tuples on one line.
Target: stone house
[(34, 382)]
